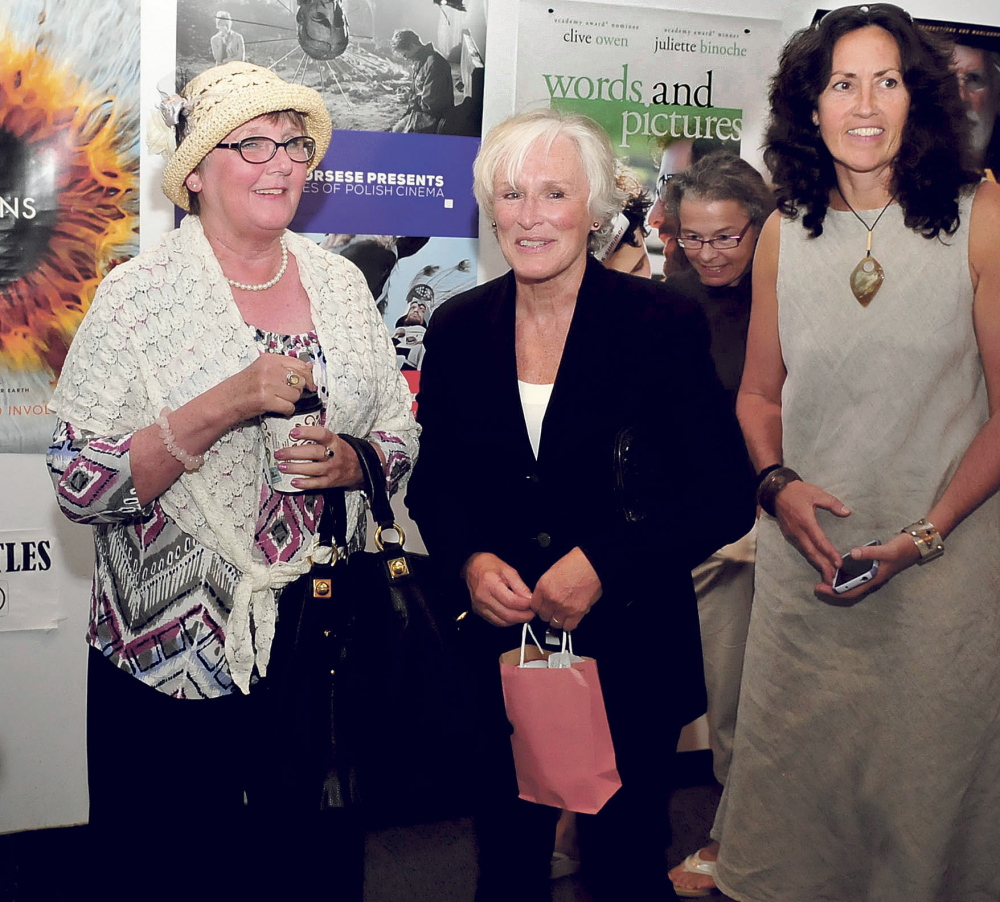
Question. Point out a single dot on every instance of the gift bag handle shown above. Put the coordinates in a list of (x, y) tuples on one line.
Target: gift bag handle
[(526, 630)]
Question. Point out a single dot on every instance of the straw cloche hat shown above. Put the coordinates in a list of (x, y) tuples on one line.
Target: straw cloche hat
[(225, 97)]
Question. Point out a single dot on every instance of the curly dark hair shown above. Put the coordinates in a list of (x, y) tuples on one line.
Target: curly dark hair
[(635, 210), (930, 171)]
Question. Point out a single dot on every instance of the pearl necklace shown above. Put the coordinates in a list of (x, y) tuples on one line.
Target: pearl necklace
[(263, 286)]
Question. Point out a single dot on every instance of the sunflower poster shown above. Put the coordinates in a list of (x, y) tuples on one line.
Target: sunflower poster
[(68, 188)]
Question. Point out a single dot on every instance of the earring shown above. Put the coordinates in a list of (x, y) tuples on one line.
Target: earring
[(194, 183), (493, 224), (597, 225)]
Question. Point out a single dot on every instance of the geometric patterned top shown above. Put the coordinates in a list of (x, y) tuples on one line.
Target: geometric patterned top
[(171, 632)]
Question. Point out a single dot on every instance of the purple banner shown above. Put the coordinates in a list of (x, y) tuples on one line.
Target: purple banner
[(381, 183)]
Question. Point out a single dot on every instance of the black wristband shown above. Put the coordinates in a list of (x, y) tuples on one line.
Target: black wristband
[(772, 484), (767, 471)]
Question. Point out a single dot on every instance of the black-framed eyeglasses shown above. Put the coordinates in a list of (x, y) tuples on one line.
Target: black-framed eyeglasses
[(258, 149), (719, 242), (662, 181)]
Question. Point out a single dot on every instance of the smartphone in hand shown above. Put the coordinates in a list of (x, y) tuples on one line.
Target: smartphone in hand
[(854, 573)]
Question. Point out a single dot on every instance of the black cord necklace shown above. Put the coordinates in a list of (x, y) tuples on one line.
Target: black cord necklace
[(867, 277)]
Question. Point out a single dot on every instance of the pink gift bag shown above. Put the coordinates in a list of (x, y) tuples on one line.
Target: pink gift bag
[(563, 753)]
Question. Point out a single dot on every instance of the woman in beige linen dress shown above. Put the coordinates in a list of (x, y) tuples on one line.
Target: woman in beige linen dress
[(867, 750)]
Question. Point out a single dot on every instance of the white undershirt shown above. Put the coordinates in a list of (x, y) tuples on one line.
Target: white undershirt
[(534, 402)]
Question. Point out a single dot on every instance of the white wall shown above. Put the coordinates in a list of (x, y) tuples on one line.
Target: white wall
[(42, 674)]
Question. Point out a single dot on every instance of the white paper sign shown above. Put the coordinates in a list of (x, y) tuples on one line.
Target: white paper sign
[(28, 581)]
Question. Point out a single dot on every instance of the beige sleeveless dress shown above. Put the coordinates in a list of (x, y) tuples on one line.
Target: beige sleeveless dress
[(866, 764)]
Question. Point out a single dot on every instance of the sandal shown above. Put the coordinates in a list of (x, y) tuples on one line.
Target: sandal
[(695, 864), (562, 865)]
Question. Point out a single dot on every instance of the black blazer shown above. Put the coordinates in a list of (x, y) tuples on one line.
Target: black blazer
[(636, 354)]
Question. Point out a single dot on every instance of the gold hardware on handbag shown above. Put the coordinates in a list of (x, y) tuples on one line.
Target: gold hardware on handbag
[(398, 567)]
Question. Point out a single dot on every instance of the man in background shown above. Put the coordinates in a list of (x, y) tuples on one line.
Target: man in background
[(978, 72), (432, 92)]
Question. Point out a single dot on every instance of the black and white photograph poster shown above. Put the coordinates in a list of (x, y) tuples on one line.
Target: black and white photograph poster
[(402, 80)]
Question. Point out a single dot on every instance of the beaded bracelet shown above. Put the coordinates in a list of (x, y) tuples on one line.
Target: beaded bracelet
[(189, 461)]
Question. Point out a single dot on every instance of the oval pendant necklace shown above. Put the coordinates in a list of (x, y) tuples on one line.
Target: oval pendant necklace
[(867, 277)]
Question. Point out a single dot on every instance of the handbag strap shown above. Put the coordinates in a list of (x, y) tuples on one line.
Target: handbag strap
[(374, 478), (332, 528)]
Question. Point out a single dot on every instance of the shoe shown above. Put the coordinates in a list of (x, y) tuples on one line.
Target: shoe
[(562, 865), (695, 864)]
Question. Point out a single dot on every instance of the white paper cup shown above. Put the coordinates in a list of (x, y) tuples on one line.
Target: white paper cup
[(276, 436)]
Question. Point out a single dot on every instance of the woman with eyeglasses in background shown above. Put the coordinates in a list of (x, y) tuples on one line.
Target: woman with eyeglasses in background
[(720, 204), (186, 353)]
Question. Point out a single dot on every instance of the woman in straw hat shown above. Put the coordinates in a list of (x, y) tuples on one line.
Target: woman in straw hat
[(186, 352)]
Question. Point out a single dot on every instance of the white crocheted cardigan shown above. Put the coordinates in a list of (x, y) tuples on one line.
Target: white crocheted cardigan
[(163, 328)]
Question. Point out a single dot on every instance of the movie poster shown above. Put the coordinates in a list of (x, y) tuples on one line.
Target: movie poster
[(655, 79), (68, 188), (403, 82), (649, 78)]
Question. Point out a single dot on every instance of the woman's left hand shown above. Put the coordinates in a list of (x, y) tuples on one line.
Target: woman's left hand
[(566, 591), (893, 557), (328, 462)]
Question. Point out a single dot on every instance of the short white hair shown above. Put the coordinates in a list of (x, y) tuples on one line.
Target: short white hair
[(508, 143)]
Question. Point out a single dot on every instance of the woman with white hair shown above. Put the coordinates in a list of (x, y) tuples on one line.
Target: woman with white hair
[(527, 380)]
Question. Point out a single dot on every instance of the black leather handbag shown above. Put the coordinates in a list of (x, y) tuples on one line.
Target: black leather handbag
[(362, 664)]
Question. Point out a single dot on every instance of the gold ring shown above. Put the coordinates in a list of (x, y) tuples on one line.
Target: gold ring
[(292, 379)]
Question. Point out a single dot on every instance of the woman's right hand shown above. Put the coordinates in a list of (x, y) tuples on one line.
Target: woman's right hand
[(263, 387), (796, 505), (498, 593), (260, 388)]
